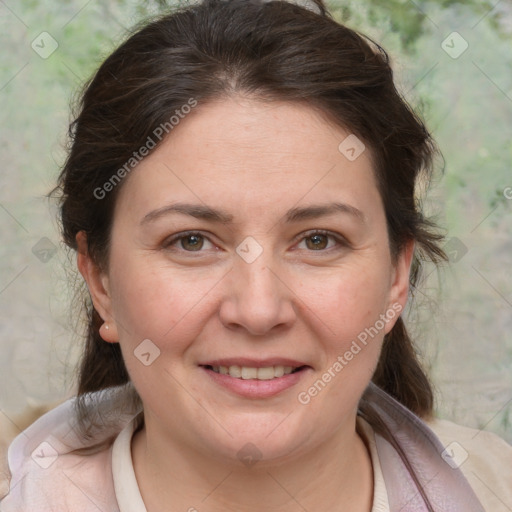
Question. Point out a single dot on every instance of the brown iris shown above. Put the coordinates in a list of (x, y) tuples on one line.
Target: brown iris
[(192, 242), (318, 242)]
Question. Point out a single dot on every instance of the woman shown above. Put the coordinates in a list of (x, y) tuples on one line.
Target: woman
[(240, 194)]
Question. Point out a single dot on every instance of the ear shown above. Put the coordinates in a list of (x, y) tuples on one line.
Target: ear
[(399, 291), (98, 285)]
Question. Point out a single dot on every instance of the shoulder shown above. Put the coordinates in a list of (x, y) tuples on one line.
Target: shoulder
[(53, 466), (484, 458)]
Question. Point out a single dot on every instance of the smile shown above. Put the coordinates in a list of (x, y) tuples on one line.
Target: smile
[(265, 380), (247, 372)]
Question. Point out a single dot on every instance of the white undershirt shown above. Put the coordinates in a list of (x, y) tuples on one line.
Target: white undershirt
[(125, 484), (128, 494), (380, 495)]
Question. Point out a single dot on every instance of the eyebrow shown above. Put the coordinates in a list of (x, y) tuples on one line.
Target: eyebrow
[(215, 215)]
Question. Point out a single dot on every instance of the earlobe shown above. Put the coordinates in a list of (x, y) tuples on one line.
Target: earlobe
[(109, 332), (98, 285)]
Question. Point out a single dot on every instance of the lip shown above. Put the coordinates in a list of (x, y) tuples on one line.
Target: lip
[(254, 388)]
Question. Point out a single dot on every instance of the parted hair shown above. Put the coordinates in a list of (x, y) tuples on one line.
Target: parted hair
[(273, 51)]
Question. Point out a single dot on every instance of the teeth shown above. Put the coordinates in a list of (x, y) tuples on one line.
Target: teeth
[(249, 373), (268, 373), (235, 371), (245, 372)]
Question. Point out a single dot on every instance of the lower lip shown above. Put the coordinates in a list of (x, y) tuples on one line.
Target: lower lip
[(254, 388)]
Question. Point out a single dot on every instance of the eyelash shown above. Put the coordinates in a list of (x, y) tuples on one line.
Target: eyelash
[(342, 242)]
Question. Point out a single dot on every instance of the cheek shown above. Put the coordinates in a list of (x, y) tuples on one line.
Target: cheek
[(158, 304), (348, 300), (350, 303), (350, 309)]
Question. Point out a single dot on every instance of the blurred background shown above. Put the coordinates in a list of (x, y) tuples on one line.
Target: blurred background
[(452, 62)]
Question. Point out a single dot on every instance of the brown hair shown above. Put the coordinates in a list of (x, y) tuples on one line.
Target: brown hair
[(273, 51)]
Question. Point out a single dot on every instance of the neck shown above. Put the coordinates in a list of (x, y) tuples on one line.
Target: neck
[(335, 476)]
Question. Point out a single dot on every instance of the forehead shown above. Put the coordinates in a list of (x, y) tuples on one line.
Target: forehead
[(252, 155)]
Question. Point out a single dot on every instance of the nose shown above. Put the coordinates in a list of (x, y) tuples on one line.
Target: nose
[(256, 298)]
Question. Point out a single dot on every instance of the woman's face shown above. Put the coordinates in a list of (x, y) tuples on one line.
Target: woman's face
[(247, 245)]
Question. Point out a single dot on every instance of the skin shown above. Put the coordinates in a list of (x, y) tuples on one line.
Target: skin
[(256, 161)]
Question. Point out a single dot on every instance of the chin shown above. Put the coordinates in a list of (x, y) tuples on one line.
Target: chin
[(272, 438)]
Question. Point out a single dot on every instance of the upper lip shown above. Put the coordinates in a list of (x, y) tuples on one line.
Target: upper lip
[(254, 363)]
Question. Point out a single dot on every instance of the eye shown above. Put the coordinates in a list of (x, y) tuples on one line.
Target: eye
[(189, 242), (319, 240)]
